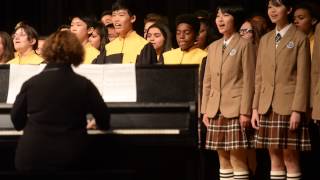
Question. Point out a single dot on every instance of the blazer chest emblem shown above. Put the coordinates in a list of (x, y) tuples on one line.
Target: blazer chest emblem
[(233, 52), (290, 45)]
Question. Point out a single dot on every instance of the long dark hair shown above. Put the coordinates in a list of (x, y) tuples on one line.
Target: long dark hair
[(8, 48), (164, 29), (102, 31)]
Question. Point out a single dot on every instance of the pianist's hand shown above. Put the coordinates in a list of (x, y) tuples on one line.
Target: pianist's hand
[(205, 120), (91, 124)]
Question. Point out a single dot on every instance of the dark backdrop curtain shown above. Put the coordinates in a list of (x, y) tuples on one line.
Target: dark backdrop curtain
[(47, 15)]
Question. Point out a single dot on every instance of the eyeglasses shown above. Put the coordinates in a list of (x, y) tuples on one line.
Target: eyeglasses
[(18, 35), (245, 31)]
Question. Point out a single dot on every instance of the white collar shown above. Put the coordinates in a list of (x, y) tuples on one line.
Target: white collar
[(284, 30), (226, 42)]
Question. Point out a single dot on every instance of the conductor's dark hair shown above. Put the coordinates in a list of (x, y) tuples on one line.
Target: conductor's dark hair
[(63, 47)]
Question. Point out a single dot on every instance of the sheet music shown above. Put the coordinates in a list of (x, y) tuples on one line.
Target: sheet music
[(115, 82), (119, 83), (17, 76), (93, 72), (41, 67)]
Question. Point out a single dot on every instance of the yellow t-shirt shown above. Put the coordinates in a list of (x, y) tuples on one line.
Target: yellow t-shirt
[(177, 56), (90, 53), (30, 58), (130, 46)]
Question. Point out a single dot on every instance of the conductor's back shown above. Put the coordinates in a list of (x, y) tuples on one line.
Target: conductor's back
[(51, 110)]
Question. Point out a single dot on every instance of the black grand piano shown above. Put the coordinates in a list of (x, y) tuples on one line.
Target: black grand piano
[(154, 138)]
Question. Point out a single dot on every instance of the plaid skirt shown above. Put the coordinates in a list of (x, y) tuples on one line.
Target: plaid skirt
[(226, 134), (274, 133)]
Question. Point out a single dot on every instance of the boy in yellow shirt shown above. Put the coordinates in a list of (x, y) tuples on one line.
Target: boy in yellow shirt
[(129, 47), (82, 27)]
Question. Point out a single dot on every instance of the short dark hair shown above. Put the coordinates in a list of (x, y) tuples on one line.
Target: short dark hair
[(89, 20), (307, 6), (31, 33), (190, 19), (154, 17), (235, 9), (287, 3), (106, 12), (202, 14), (63, 26), (63, 47), (125, 5)]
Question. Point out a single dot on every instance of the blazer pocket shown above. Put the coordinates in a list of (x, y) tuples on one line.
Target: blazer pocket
[(211, 93), (236, 93), (289, 89)]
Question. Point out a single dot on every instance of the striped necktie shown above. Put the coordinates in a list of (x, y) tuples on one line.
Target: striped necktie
[(224, 46), (278, 38)]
